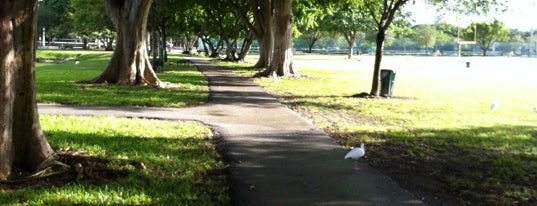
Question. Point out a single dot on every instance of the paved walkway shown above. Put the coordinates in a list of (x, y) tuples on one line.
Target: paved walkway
[(276, 157)]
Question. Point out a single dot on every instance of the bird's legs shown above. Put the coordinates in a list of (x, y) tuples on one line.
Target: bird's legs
[(356, 168)]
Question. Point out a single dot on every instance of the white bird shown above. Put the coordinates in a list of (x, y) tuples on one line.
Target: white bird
[(495, 105), (77, 62), (356, 154)]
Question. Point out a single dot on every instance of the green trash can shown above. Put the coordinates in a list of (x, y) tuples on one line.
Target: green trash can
[(387, 78)]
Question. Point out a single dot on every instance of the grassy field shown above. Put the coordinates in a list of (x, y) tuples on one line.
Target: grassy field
[(124, 161), (128, 162), (437, 136), (56, 83)]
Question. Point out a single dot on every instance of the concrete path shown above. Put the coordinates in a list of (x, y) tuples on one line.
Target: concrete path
[(276, 157)]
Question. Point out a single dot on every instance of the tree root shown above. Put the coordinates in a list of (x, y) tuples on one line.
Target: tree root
[(44, 170)]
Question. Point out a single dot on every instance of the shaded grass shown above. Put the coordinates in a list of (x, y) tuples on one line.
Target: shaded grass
[(179, 157), (56, 83), (437, 137)]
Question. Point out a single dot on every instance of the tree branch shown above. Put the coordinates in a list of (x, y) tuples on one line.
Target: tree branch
[(243, 17)]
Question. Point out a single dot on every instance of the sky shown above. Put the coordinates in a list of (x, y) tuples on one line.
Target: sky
[(520, 14)]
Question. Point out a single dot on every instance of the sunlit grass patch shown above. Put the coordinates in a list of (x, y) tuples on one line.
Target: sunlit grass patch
[(180, 163), (438, 135), (57, 83)]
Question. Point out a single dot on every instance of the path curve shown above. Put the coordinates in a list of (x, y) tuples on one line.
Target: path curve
[(275, 156)]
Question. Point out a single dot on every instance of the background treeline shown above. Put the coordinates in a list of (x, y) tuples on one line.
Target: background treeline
[(218, 28)]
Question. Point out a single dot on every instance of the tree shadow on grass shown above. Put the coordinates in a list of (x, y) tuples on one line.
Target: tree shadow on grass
[(118, 96), (56, 84), (166, 170), (476, 165), (324, 102), (331, 102)]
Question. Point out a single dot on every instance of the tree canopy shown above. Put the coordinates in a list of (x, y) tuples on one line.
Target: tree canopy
[(350, 20), (237, 25), (425, 35), (90, 21), (56, 17), (486, 34)]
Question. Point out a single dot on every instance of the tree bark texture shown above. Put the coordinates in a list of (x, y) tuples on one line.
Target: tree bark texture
[(383, 14), (381, 35), (263, 32), (282, 57), (246, 45), (261, 27), (130, 63), (23, 147)]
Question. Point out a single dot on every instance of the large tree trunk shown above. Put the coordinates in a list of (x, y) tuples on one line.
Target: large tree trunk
[(261, 27), (282, 59), (266, 47), (375, 89), (383, 15), (130, 64), (246, 45), (23, 147), (263, 19)]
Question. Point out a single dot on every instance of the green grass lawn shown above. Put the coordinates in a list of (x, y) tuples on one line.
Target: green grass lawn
[(437, 136), (56, 83), (181, 165), (126, 161)]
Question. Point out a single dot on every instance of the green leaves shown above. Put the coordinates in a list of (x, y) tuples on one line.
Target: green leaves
[(487, 33), (55, 16), (470, 7), (90, 17), (425, 35)]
